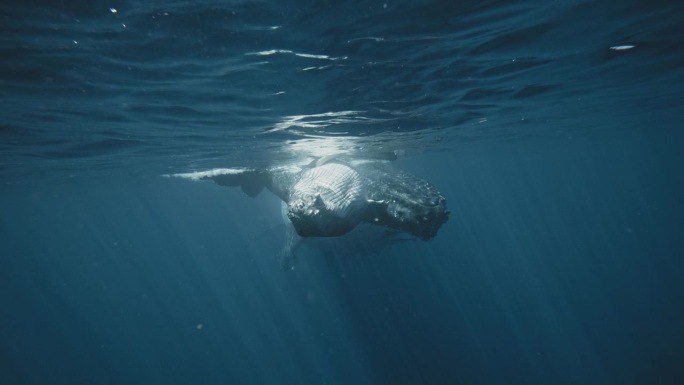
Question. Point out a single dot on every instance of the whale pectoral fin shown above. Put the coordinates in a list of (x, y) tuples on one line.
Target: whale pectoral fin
[(250, 181)]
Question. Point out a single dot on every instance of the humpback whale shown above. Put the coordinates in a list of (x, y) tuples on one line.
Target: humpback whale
[(330, 197)]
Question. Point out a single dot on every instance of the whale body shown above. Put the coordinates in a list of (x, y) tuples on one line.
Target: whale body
[(330, 198)]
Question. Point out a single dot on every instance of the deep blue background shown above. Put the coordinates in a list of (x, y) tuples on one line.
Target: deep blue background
[(560, 159)]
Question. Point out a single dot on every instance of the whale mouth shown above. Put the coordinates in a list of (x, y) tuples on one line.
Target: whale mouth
[(311, 218)]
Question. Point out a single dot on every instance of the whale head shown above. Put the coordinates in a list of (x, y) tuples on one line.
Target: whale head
[(326, 201)]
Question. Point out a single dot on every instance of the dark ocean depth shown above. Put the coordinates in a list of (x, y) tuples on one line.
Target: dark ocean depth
[(553, 130)]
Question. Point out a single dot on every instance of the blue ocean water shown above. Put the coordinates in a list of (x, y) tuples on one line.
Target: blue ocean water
[(553, 129)]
